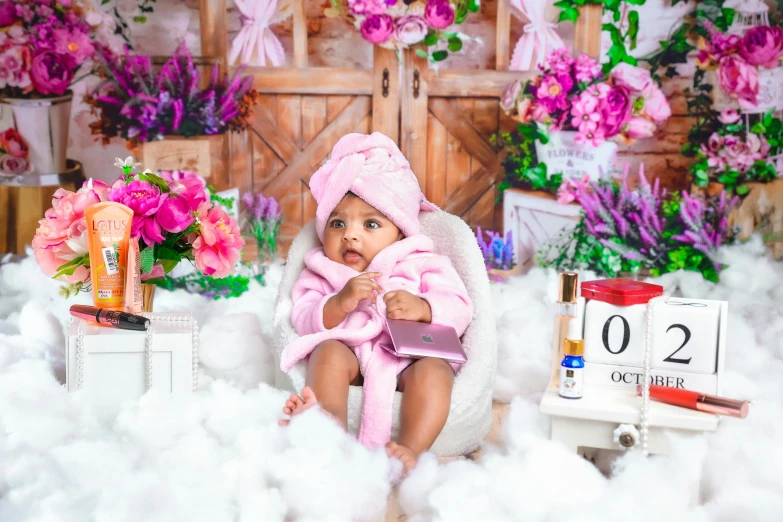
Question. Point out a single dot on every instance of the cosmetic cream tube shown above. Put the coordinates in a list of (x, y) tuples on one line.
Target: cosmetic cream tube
[(565, 310), (133, 296), (108, 231)]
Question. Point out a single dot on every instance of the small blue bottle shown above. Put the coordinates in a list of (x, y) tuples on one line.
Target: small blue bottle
[(572, 369)]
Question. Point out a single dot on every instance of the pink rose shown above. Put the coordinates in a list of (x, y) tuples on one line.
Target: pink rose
[(15, 65), (639, 127), (13, 143), (508, 100), (410, 29), (13, 165), (438, 14), (729, 116), (367, 7), (50, 73), (175, 214), (540, 113), (218, 246), (377, 29), (739, 80), (657, 107), (615, 108), (762, 45), (7, 13), (635, 79), (525, 110)]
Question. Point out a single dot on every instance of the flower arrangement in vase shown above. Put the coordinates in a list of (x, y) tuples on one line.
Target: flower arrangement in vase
[(573, 114), (747, 66), (626, 231), (44, 43), (399, 24), (14, 153), (140, 104), (263, 223), (173, 220), (730, 153), (498, 254)]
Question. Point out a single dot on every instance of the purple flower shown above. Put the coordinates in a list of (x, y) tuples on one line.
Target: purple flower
[(377, 29), (272, 209), (551, 94), (762, 45), (50, 73), (438, 14), (7, 13), (616, 110)]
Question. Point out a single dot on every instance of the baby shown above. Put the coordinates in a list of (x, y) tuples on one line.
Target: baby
[(373, 264)]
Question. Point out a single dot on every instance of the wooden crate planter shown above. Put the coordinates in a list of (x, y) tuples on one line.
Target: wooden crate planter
[(24, 200), (205, 155), (534, 217), (762, 211)]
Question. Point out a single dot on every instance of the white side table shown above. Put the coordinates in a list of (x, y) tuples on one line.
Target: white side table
[(591, 421)]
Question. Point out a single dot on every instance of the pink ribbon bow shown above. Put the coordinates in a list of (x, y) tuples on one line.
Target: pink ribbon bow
[(539, 38), (255, 35)]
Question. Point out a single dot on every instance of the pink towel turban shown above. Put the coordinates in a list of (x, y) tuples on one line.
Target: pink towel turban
[(373, 168)]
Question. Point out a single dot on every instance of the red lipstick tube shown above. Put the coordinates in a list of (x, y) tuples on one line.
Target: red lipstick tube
[(110, 317), (698, 401)]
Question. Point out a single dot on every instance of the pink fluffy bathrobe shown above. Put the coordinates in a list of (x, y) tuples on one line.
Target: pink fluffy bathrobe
[(373, 168)]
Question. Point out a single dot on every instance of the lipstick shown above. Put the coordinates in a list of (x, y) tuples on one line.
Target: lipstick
[(698, 401), (113, 318)]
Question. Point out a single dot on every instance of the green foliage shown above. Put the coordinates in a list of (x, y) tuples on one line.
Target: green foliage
[(227, 287), (521, 165)]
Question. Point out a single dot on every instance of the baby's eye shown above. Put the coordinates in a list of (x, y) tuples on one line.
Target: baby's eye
[(337, 223), (372, 224)]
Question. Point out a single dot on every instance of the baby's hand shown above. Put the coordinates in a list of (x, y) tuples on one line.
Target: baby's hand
[(357, 289), (404, 305)]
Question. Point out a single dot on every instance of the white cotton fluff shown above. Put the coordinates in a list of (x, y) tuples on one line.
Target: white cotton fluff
[(220, 456)]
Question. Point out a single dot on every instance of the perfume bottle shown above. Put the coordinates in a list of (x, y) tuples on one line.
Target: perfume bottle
[(565, 310), (572, 369)]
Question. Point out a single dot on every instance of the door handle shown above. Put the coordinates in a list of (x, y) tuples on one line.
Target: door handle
[(385, 83), (416, 83)]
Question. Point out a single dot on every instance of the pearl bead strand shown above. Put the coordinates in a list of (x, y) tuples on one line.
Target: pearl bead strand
[(645, 414)]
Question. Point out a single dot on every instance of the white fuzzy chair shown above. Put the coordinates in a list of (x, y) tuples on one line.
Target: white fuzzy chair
[(471, 400)]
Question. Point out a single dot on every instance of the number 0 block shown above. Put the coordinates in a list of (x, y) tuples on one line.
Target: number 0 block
[(685, 335), (614, 334)]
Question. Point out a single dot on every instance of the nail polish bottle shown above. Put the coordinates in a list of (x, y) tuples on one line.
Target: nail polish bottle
[(572, 369), (565, 310)]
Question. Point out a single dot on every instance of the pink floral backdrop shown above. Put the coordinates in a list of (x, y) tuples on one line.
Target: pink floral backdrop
[(330, 44)]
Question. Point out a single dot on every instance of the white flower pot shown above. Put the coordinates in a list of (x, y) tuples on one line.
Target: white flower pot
[(563, 155)]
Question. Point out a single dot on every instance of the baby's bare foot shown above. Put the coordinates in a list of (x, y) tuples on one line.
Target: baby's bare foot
[(296, 404), (403, 453)]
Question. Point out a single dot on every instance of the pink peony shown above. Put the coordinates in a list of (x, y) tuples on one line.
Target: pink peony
[(145, 200), (511, 92), (657, 107), (367, 7), (15, 63), (50, 73), (635, 79), (74, 45), (762, 45), (175, 215), (410, 29), (218, 246), (586, 69), (377, 29), (7, 13), (438, 14), (13, 165), (13, 143), (639, 127), (729, 116), (172, 177), (616, 109), (739, 80), (712, 50)]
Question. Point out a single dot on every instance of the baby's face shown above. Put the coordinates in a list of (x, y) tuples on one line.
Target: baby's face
[(356, 231)]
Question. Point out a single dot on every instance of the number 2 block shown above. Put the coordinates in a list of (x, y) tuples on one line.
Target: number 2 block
[(685, 335), (614, 334)]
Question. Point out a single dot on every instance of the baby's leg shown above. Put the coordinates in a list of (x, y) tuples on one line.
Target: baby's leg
[(332, 368), (426, 398)]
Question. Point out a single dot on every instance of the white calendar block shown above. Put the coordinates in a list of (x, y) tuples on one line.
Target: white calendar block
[(112, 370), (685, 335), (630, 376), (614, 334)]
